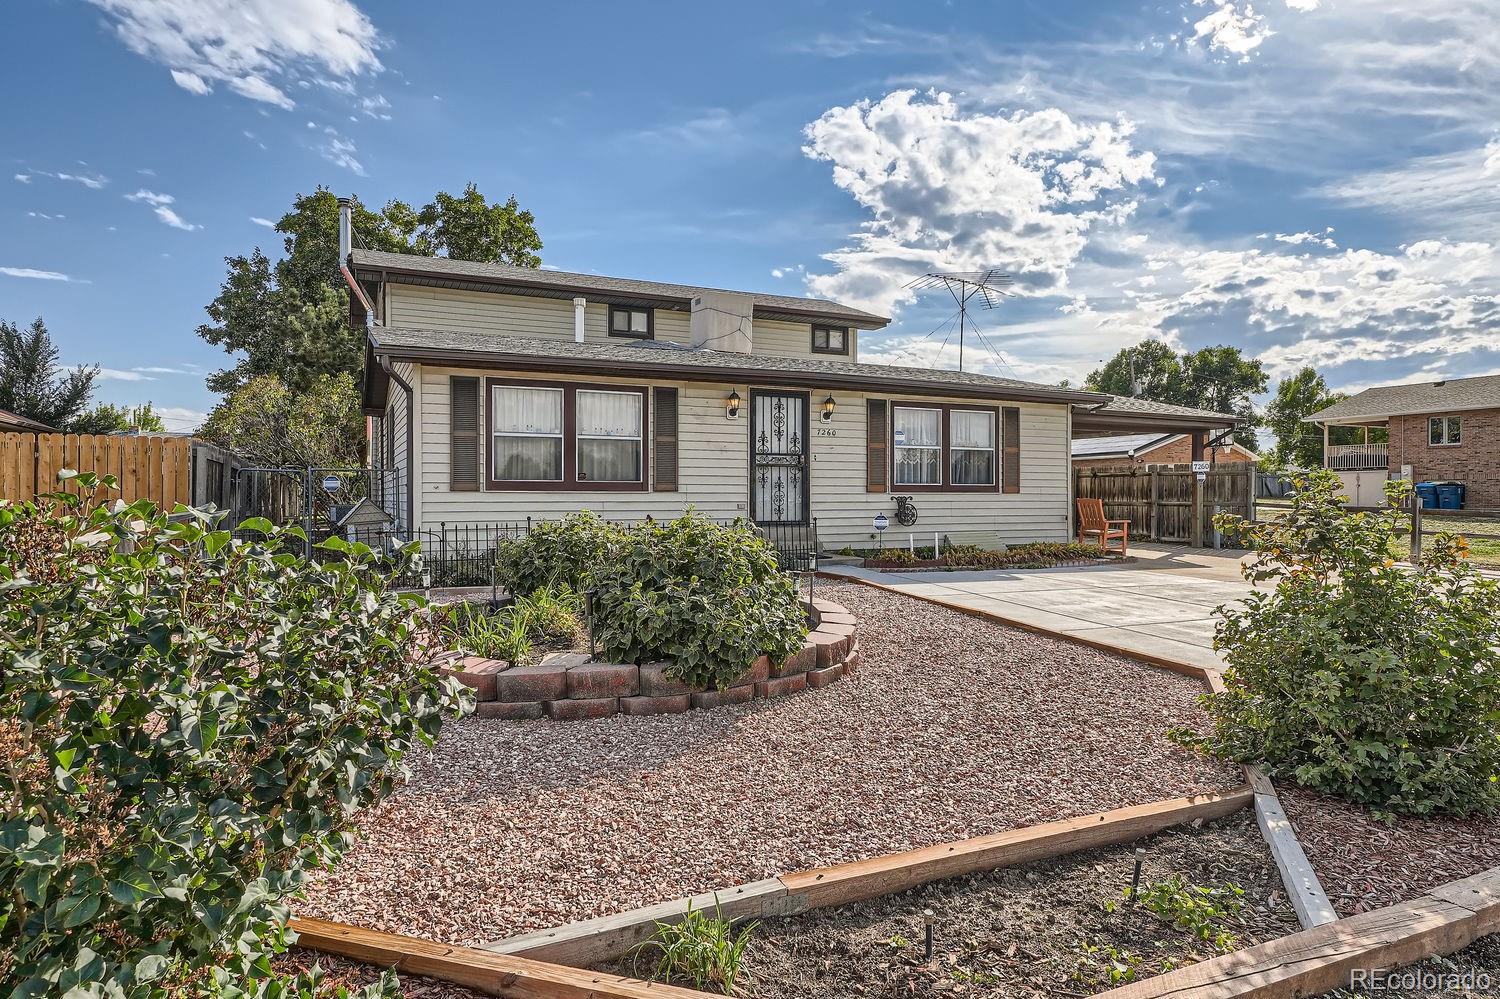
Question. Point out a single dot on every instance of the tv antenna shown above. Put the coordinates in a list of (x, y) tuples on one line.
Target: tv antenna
[(989, 284)]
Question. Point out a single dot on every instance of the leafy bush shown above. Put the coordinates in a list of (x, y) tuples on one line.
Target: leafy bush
[(709, 598), (187, 723), (702, 951), (552, 616), (1036, 555), (1358, 676), (556, 551)]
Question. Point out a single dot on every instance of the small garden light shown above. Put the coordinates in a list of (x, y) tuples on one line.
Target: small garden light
[(732, 405), (828, 407), (927, 920), (588, 620)]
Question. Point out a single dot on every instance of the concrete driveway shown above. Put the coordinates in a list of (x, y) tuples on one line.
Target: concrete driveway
[(1162, 603)]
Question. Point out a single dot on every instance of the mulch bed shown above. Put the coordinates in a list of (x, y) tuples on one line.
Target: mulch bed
[(339, 971), (951, 727), (1017, 932), (1366, 864)]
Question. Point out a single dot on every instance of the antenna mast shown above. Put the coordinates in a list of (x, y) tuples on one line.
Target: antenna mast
[(989, 284)]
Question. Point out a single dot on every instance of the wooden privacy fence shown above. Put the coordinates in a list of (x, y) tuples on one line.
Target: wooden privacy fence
[(154, 468), (1164, 501)]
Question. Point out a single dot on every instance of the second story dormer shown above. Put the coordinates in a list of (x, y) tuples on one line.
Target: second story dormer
[(414, 292)]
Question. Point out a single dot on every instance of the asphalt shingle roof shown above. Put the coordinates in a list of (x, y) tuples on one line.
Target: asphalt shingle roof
[(1146, 407), (1419, 397), (628, 355), (565, 281)]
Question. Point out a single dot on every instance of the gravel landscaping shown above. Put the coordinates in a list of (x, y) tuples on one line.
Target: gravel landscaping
[(1368, 864), (1051, 928), (1472, 973), (950, 727)]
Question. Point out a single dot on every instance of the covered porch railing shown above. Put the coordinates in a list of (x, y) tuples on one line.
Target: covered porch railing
[(1357, 457)]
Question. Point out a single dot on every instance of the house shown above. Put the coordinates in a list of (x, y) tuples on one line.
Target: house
[(1437, 431), (499, 394), (15, 423), (1151, 449)]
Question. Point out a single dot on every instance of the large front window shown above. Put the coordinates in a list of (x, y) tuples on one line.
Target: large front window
[(609, 436), (919, 446), (551, 435), (528, 434), (945, 447)]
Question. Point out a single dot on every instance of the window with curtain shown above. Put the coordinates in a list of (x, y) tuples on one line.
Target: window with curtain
[(971, 448), (918, 444), (609, 431), (528, 441)]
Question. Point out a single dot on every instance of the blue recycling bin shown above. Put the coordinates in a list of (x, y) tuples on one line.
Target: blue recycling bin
[(1450, 495), (1427, 492)]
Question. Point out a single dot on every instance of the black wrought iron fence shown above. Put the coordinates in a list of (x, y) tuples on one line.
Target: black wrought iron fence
[(455, 555)]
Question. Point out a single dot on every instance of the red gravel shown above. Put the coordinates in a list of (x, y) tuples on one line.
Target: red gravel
[(1366, 864), (951, 727)]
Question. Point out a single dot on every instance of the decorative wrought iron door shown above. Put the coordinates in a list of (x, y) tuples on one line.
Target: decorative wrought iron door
[(778, 458)]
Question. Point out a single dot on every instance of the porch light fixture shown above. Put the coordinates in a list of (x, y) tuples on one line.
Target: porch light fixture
[(828, 407), (732, 405)]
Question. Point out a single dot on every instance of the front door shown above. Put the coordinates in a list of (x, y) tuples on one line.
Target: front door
[(778, 457)]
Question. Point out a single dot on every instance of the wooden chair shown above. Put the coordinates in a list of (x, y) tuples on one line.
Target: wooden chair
[(1092, 523)]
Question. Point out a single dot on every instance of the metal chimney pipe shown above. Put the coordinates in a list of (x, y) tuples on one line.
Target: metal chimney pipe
[(346, 230)]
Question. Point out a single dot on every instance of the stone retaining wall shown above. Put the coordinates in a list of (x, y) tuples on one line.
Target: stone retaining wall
[(567, 685)]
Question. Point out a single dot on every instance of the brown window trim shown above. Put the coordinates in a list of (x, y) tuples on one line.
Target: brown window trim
[(569, 482), (829, 350), (650, 333), (945, 470)]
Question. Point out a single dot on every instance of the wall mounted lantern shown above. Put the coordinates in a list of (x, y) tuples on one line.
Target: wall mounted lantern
[(828, 407), (732, 405)]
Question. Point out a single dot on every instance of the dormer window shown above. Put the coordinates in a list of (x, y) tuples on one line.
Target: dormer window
[(830, 340), (638, 324)]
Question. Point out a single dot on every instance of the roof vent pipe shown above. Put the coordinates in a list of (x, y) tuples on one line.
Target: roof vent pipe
[(346, 230), (579, 305)]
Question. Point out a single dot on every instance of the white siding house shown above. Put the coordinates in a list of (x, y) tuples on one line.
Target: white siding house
[(533, 394)]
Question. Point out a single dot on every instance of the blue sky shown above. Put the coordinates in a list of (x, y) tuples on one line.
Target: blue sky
[(1311, 180)]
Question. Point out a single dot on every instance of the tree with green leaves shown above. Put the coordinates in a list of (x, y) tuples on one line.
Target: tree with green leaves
[(34, 384), (290, 319), (1218, 378), (107, 418), (269, 424)]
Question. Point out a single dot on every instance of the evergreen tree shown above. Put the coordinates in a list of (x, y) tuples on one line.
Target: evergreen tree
[(35, 385)]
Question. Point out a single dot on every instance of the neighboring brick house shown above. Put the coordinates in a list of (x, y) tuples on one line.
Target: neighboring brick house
[(1439, 431), (1150, 449)]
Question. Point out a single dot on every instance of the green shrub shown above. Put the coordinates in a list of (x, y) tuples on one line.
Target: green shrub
[(187, 723), (1358, 676), (556, 551), (709, 598), (702, 951)]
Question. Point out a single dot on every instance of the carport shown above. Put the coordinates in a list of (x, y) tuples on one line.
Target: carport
[(1173, 505)]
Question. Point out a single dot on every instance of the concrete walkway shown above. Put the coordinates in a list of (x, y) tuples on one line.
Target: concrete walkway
[(1161, 604)]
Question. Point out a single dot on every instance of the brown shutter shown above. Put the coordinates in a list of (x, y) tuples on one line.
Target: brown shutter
[(877, 446), (1010, 439), (664, 439), (463, 434)]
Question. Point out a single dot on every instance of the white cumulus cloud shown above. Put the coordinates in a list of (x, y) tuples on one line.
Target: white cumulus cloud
[(248, 45), (955, 189)]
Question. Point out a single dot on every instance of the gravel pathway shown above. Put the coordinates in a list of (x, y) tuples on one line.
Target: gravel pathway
[(1366, 864), (951, 727)]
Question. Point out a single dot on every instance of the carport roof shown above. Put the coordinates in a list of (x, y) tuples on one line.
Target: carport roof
[(1124, 415)]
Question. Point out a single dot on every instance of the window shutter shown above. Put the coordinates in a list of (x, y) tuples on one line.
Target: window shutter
[(664, 439), (1010, 437), (877, 446), (463, 434)]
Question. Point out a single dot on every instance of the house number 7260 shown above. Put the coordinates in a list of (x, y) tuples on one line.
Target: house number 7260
[(827, 432)]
